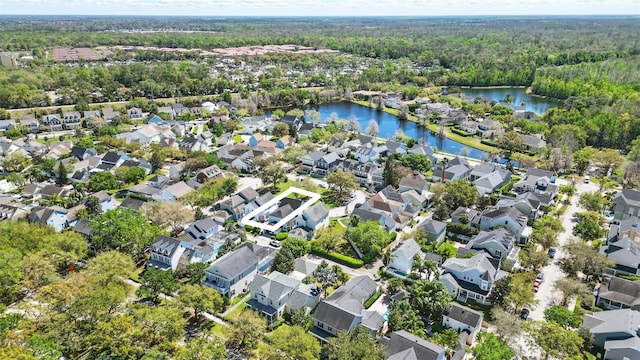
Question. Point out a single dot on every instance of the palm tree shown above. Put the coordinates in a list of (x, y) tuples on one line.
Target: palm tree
[(431, 268), (444, 162), (34, 174), (387, 257), (418, 265), (448, 339)]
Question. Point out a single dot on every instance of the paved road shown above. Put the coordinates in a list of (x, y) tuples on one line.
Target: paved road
[(547, 294)]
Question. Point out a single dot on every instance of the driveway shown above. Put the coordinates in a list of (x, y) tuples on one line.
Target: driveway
[(547, 295)]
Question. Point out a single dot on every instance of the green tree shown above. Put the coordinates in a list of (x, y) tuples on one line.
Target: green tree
[(582, 258), (563, 317), (570, 287), (417, 162), (554, 340), (582, 158), (511, 141), (356, 345), (588, 230), (449, 339), (10, 274), (295, 342), (200, 299), (521, 292), (534, 259), (16, 162), (283, 261), (459, 193), (124, 230), (247, 330), (202, 348), (93, 206), (489, 347), (507, 326), (342, 183), (280, 130), (194, 272), (156, 160), (607, 160), (592, 201), (271, 173), (430, 298), (154, 282), (160, 324), (134, 175), (389, 173), (368, 236), (403, 317), (102, 181)]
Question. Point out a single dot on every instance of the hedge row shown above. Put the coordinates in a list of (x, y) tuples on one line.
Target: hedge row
[(489, 142), (282, 235), (372, 299), (462, 229), (339, 258), (460, 132)]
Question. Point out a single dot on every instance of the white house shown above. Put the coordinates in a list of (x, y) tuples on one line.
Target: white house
[(471, 278), (403, 256), (462, 318)]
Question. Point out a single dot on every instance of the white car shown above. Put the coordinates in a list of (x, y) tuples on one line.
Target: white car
[(540, 277)]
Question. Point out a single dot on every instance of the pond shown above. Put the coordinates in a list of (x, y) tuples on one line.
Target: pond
[(537, 104), (389, 126)]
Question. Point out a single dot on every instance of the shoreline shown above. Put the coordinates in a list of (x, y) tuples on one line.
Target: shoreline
[(466, 141)]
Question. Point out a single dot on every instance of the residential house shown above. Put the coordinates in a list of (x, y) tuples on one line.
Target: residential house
[(284, 142), (234, 205), (179, 109), (402, 258), (275, 294), (462, 318), (165, 253), (343, 310), (618, 293), (414, 182), (626, 204), (224, 139), (489, 128), (267, 146), (471, 278), (12, 212), (173, 192), (482, 169), (50, 191), (255, 124), (132, 203), (233, 273), (361, 140), (403, 345), (366, 154), (167, 110), (255, 139), (490, 183), (7, 125), (508, 217), (54, 216), (305, 130), (245, 162), (625, 253), (537, 180), (292, 121), (615, 332), (533, 143), (327, 164), (176, 170), (203, 228), (71, 119), (454, 169), (176, 254), (106, 201), (30, 122), (81, 153), (437, 107), (134, 113), (422, 149), (310, 161), (435, 230), (110, 115), (362, 172), (193, 144), (497, 243), (314, 217), (52, 122), (114, 159), (248, 194), (208, 173), (365, 215)]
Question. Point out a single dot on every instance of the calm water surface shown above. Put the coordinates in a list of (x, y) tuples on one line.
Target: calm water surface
[(537, 104)]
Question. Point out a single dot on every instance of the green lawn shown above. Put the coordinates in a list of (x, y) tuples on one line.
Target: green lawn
[(233, 314)]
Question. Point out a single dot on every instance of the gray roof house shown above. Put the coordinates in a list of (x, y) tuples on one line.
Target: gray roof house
[(537, 180), (617, 332), (314, 217), (462, 318), (626, 255), (343, 310), (232, 274), (471, 278), (276, 294), (626, 204), (533, 142), (403, 345), (509, 217), (402, 258), (618, 293), (491, 182), (436, 230), (498, 243)]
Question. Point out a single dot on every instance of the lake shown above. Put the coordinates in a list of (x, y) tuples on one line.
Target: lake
[(537, 104), (389, 126)]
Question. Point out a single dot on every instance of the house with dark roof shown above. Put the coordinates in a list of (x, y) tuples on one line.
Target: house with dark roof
[(81, 153), (402, 345), (52, 122), (454, 169), (54, 216), (134, 113), (193, 144), (618, 293), (203, 228), (615, 332), (343, 310), (626, 204), (30, 122), (413, 182), (471, 278), (71, 119), (233, 273), (49, 191), (83, 227), (327, 164), (12, 212), (292, 121), (537, 180), (276, 294), (310, 161), (115, 159), (235, 205), (132, 203), (462, 318)]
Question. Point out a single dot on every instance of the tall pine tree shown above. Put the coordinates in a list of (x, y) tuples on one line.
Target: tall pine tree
[(389, 173)]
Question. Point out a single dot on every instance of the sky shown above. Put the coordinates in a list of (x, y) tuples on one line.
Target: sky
[(320, 7)]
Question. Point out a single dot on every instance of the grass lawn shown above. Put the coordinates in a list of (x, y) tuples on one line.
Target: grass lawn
[(233, 314), (220, 331), (283, 186)]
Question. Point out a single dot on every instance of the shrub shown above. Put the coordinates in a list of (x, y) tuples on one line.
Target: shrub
[(282, 235), (339, 258), (489, 142), (462, 229), (372, 299), (460, 132)]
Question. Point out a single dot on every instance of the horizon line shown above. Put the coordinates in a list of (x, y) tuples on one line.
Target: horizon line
[(330, 16)]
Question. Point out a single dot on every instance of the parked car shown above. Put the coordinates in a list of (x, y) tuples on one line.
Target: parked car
[(524, 314), (540, 277), (536, 286), (552, 253), (274, 243)]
